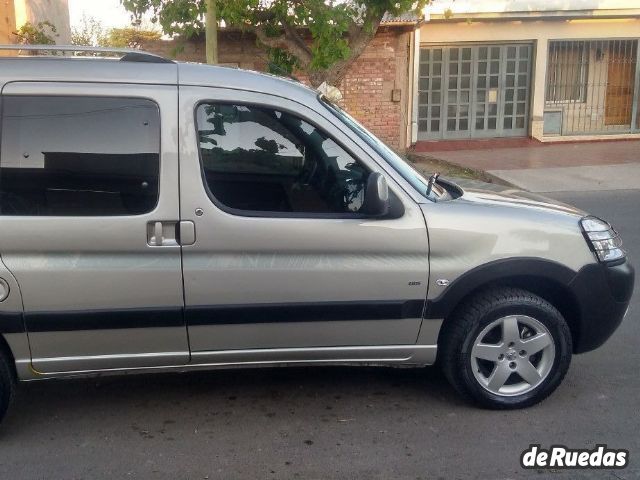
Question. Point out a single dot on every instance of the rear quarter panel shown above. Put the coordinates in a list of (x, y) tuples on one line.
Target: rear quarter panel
[(11, 321)]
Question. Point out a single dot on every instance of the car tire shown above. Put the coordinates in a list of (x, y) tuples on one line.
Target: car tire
[(7, 385), (505, 348)]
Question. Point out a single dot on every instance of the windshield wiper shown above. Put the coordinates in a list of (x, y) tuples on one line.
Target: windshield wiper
[(432, 179)]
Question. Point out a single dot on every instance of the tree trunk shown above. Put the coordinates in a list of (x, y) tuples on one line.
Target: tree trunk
[(211, 32)]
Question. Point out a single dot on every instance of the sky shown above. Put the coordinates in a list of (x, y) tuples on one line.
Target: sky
[(109, 12), (112, 14)]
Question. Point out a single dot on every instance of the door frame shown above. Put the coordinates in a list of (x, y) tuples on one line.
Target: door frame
[(632, 86)]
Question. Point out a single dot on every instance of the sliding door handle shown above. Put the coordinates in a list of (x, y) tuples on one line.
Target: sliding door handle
[(162, 234)]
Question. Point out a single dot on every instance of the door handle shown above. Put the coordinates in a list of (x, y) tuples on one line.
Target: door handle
[(162, 233), (158, 237)]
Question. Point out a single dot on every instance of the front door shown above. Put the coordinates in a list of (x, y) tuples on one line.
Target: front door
[(88, 212), (282, 266), (473, 91), (621, 71)]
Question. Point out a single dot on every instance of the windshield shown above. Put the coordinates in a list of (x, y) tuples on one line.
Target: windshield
[(409, 173)]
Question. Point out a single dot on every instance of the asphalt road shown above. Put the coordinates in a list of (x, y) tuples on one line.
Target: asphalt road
[(327, 422)]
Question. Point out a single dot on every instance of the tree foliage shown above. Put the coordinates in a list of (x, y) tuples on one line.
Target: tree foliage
[(320, 37), (131, 37), (90, 32), (41, 33)]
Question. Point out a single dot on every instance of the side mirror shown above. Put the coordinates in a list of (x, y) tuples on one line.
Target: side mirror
[(376, 196)]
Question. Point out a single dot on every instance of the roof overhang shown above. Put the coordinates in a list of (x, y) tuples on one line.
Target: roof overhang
[(629, 13)]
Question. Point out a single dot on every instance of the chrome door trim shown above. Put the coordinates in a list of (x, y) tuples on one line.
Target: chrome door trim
[(410, 355), (133, 360), (385, 353)]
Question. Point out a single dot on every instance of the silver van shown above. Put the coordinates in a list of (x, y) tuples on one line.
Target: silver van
[(157, 216)]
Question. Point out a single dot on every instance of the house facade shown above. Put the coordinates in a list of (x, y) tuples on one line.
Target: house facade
[(551, 70)]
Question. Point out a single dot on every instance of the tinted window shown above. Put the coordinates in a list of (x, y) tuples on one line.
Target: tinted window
[(79, 156), (259, 159)]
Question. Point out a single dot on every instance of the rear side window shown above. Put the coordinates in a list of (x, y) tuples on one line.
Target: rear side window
[(257, 159), (79, 156)]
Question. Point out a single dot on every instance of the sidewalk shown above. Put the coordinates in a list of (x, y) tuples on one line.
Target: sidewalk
[(603, 165)]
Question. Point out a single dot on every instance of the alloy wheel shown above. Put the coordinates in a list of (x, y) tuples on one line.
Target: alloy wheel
[(512, 355)]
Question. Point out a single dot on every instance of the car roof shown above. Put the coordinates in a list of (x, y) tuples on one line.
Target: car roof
[(226, 77), (108, 70)]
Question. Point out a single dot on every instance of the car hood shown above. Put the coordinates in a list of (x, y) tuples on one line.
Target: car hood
[(503, 196)]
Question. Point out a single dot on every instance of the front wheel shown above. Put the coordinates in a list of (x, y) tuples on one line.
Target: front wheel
[(7, 384), (505, 348)]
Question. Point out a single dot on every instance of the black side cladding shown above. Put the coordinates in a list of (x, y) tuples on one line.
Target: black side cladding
[(66, 321)]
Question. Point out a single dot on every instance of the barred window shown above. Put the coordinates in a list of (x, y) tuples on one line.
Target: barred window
[(567, 72)]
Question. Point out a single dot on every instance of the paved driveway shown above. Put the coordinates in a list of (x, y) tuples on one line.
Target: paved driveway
[(326, 422), (558, 167), (528, 154)]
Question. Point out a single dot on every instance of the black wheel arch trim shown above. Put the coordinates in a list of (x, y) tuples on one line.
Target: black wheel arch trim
[(494, 271), (593, 300)]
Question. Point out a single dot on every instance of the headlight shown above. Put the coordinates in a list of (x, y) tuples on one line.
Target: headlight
[(603, 239)]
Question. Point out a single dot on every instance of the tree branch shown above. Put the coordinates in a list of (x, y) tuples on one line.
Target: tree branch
[(359, 37), (291, 33), (294, 45)]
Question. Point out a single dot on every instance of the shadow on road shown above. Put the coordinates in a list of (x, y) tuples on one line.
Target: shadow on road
[(185, 397)]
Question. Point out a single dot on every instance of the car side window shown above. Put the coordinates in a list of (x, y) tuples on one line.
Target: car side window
[(79, 156), (258, 159)]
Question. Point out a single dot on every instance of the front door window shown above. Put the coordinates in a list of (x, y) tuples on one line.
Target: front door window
[(257, 159)]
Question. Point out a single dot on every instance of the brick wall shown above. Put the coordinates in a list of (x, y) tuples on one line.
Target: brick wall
[(234, 48), (367, 89), (369, 85)]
